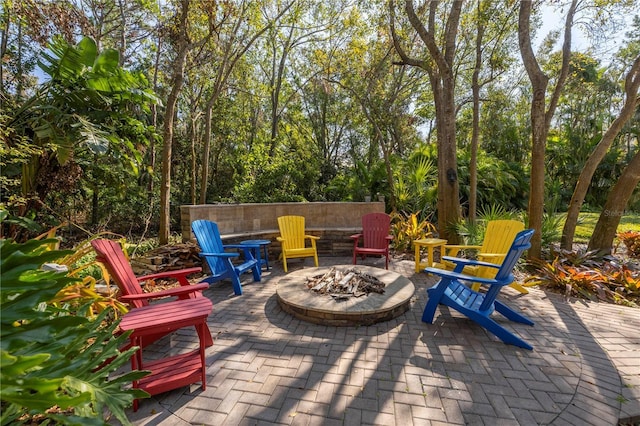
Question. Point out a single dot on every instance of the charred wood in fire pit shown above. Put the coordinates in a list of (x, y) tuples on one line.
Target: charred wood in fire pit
[(343, 285)]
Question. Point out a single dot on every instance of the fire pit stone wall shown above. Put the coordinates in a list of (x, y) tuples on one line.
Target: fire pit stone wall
[(333, 222)]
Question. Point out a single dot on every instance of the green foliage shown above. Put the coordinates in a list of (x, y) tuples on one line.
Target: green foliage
[(473, 232), (499, 182), (88, 107), (631, 240), (406, 228), (270, 179), (54, 357), (82, 103), (581, 274), (551, 230), (416, 179), (587, 222)]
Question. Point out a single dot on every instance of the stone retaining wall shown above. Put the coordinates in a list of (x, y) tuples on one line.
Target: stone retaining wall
[(333, 222)]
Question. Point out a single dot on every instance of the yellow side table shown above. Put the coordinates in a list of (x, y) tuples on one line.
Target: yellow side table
[(430, 244)]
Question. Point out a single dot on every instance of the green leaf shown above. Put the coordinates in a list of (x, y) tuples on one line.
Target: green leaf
[(107, 62), (17, 365), (87, 50)]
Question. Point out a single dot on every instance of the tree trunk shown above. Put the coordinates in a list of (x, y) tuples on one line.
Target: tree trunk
[(193, 135), (448, 184), (540, 119), (176, 85), (442, 79), (232, 54), (206, 153), (475, 129), (276, 87), (122, 48), (154, 121), (632, 84), (605, 230), (94, 198), (3, 48)]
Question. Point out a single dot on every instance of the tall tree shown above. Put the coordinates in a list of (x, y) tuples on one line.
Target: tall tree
[(491, 46), (632, 84), (605, 230), (440, 67), (183, 43), (541, 115), (234, 38)]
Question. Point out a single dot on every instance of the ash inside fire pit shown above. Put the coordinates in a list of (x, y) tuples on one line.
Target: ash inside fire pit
[(345, 284)]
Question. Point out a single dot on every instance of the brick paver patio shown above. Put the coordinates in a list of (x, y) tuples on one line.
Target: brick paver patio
[(266, 367)]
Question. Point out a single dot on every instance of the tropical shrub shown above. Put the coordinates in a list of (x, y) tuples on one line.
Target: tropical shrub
[(415, 187), (56, 357), (472, 232), (551, 227), (407, 228), (631, 240), (581, 274), (82, 132)]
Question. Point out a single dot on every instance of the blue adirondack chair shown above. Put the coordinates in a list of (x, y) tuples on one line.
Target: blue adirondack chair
[(219, 261), (452, 291)]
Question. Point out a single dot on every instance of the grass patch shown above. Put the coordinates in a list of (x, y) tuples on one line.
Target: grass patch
[(587, 223)]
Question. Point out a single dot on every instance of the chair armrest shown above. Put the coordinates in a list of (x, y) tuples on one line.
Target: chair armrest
[(241, 246), (219, 254), (470, 262), (461, 247), (454, 249), (312, 237), (463, 277), (170, 274), (489, 256), (176, 291), (355, 236), (389, 237), (281, 239)]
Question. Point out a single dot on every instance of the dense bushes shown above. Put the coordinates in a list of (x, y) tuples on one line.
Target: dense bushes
[(55, 354)]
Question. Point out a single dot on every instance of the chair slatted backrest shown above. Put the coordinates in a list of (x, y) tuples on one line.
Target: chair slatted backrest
[(504, 276), (208, 237), (110, 254), (499, 235), (292, 229), (497, 240), (375, 229)]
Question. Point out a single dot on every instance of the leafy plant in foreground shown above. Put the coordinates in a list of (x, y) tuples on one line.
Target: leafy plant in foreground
[(631, 240), (55, 361), (580, 275), (407, 228)]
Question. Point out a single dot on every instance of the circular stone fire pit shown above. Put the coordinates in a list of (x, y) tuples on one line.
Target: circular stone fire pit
[(295, 298)]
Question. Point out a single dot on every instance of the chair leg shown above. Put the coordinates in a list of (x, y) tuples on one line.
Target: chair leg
[(204, 334), (503, 334), (257, 273), (284, 262), (435, 295), (315, 258), (237, 286), (519, 287), (354, 257), (511, 314)]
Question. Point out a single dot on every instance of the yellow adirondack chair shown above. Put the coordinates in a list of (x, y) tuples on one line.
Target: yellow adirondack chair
[(497, 240), (293, 239)]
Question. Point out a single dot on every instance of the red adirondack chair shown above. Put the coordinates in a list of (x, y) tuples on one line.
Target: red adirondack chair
[(110, 254), (375, 237)]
